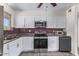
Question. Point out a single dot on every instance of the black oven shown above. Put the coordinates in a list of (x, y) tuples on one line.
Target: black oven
[(40, 43)]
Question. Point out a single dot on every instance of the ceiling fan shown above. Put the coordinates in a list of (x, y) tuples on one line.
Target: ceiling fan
[(53, 4)]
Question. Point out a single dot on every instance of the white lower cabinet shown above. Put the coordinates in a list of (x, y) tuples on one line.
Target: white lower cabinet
[(53, 43), (6, 49), (28, 44), (19, 46), (13, 48)]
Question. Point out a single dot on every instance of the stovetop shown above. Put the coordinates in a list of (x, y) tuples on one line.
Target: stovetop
[(40, 35)]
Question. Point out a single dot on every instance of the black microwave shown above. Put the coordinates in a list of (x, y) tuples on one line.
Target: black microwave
[(40, 24)]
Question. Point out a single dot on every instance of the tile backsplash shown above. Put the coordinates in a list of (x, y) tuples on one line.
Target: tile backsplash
[(29, 31), (32, 30)]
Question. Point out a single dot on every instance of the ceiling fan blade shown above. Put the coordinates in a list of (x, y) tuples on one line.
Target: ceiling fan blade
[(39, 5), (53, 4)]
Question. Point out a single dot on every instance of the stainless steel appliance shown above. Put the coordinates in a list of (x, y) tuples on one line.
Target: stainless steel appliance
[(40, 24), (40, 37), (40, 43), (65, 44)]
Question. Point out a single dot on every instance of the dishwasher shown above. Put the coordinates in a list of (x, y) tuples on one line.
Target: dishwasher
[(65, 44)]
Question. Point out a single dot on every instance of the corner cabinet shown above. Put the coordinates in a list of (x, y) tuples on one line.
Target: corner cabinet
[(9, 49), (13, 48)]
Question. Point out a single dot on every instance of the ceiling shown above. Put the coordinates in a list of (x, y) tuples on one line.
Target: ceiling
[(33, 6)]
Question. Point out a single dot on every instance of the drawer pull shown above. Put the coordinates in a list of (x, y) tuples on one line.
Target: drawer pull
[(7, 46), (17, 45)]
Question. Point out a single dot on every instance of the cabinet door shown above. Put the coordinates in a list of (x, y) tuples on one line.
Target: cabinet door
[(19, 45), (6, 49), (51, 22), (19, 22), (43, 18), (28, 44), (15, 47), (53, 44), (37, 18), (29, 21), (12, 48), (60, 22)]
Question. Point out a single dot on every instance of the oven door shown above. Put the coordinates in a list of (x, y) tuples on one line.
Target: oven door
[(40, 43), (43, 43), (36, 43)]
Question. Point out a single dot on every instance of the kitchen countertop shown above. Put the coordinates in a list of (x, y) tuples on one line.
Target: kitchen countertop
[(10, 40), (7, 40)]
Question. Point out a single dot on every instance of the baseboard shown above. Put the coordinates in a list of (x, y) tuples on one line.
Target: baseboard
[(25, 52), (1, 54)]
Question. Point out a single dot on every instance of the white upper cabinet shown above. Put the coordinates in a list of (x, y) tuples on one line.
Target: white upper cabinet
[(19, 22), (39, 18), (24, 22), (60, 22), (29, 22), (55, 22), (51, 22)]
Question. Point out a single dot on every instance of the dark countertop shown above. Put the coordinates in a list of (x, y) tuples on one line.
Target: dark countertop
[(7, 41), (13, 37)]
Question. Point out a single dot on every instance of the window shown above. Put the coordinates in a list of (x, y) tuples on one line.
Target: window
[(6, 21)]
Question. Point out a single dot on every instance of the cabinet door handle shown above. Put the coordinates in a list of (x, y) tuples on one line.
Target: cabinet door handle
[(8, 46), (17, 45), (6, 53)]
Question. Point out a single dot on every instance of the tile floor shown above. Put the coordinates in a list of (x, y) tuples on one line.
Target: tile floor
[(46, 54)]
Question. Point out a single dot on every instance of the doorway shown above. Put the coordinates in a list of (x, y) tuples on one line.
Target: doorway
[(1, 30), (78, 36)]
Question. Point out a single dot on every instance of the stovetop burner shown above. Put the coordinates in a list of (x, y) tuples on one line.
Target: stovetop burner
[(40, 35)]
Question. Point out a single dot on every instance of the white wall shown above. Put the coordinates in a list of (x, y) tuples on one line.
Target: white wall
[(40, 13), (78, 31), (78, 22), (71, 26), (10, 11)]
